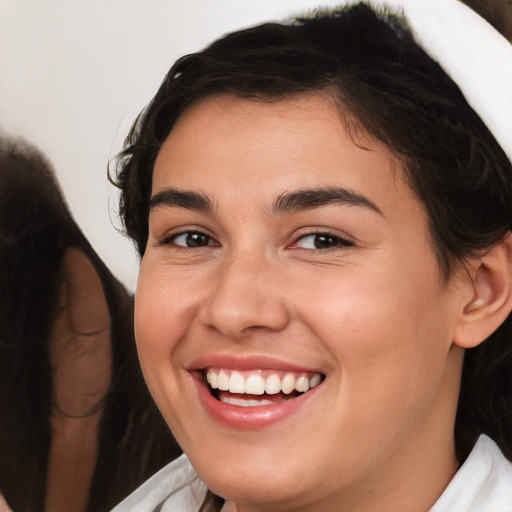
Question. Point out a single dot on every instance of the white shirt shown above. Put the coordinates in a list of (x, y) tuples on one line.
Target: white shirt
[(482, 484)]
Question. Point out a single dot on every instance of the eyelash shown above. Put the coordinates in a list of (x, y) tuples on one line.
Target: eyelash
[(188, 233), (335, 241)]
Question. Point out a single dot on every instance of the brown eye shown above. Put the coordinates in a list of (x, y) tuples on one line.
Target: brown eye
[(321, 241), (191, 239)]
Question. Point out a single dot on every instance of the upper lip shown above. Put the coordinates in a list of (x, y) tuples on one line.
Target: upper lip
[(247, 362)]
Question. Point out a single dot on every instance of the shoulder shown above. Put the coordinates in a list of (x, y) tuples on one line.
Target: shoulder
[(174, 487), (482, 484)]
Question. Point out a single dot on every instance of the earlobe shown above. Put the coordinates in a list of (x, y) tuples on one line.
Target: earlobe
[(491, 300)]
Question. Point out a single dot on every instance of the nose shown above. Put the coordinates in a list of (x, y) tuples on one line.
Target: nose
[(245, 298)]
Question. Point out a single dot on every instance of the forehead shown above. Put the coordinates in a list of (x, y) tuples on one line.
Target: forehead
[(234, 147)]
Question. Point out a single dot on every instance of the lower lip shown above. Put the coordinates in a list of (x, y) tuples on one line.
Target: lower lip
[(250, 418)]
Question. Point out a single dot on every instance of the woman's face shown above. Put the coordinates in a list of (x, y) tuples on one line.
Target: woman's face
[(282, 255)]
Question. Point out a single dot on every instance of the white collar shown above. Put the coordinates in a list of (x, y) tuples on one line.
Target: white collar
[(483, 483)]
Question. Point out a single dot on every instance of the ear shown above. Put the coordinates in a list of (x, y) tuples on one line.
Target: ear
[(491, 300)]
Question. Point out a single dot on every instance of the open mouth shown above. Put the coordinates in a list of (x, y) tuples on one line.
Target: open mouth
[(253, 388)]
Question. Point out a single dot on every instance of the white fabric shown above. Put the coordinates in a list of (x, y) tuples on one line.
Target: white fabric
[(175, 488), (475, 55), (482, 484)]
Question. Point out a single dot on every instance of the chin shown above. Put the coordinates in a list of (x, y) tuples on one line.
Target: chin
[(266, 479), (269, 490)]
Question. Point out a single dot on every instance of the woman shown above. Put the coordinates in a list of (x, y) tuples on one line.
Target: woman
[(74, 412), (334, 218)]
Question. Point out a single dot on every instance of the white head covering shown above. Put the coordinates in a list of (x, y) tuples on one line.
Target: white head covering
[(471, 52)]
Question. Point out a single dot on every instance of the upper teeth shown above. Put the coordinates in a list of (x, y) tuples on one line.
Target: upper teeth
[(256, 383)]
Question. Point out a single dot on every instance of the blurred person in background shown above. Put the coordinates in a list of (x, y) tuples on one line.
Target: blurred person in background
[(78, 429)]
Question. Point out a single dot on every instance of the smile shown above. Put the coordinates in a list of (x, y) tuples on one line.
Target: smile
[(256, 388)]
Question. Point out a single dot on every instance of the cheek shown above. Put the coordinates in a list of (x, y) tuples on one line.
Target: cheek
[(162, 312), (164, 305), (390, 345), (389, 333)]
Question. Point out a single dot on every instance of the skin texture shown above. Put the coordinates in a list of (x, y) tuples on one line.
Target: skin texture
[(81, 359), (374, 316)]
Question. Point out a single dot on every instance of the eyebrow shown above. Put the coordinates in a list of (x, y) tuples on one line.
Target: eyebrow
[(288, 202), (310, 199), (182, 199)]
